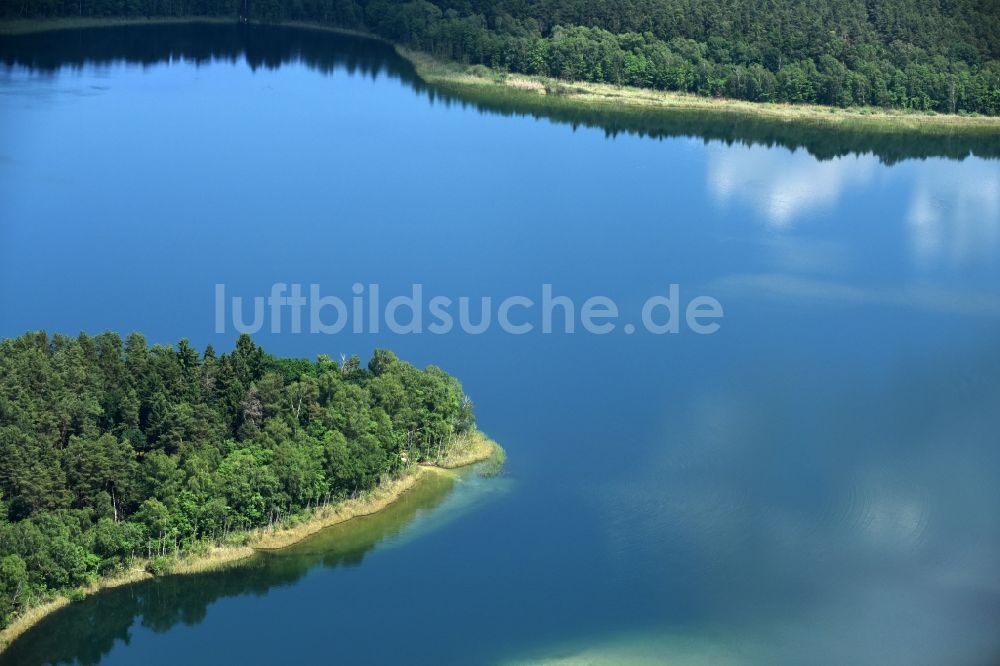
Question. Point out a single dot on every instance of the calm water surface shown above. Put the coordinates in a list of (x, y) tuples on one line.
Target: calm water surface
[(816, 483)]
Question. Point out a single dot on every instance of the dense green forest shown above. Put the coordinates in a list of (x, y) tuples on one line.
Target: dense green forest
[(112, 452), (932, 55)]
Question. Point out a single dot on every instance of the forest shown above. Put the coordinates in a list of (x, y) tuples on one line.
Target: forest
[(114, 452), (925, 55)]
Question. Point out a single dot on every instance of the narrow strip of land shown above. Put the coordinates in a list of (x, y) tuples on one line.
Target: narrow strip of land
[(602, 96)]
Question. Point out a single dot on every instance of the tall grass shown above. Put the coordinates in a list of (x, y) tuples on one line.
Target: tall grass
[(467, 448), (456, 78)]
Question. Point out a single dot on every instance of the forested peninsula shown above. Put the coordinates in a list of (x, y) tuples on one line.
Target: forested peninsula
[(927, 57), (120, 460)]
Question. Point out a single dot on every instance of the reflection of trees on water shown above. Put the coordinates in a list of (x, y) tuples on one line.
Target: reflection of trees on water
[(87, 631), (273, 46), (821, 141), (267, 47)]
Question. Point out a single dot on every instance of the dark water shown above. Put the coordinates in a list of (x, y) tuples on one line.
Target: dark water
[(815, 483)]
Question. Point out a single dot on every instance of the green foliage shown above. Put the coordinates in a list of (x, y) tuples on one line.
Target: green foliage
[(112, 452), (159, 565), (938, 56), (15, 586), (835, 52)]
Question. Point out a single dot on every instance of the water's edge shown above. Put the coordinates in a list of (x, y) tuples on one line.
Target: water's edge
[(583, 95), (482, 448)]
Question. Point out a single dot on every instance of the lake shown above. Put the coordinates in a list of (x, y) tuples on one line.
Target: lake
[(817, 482)]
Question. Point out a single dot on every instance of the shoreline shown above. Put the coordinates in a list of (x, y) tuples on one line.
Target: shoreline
[(478, 448), (470, 79), (610, 98)]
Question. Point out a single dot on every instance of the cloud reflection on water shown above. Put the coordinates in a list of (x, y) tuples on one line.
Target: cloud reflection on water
[(838, 521), (822, 292), (952, 215), (954, 212), (783, 186)]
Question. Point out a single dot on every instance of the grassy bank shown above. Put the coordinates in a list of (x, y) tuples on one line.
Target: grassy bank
[(477, 80), (467, 449), (473, 80), (28, 619)]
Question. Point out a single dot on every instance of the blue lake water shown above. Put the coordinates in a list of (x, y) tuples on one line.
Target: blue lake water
[(817, 482)]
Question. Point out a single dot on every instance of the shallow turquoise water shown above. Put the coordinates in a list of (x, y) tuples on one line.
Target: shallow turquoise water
[(817, 482)]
